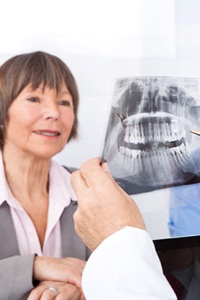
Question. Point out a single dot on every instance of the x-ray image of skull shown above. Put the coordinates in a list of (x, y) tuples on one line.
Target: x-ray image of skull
[(148, 143)]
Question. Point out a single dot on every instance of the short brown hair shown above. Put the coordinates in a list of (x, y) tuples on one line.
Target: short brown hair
[(34, 68)]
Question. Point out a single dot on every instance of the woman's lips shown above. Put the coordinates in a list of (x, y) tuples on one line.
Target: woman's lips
[(49, 133)]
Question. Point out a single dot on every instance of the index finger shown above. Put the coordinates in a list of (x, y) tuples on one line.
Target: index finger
[(82, 179), (96, 173), (92, 172)]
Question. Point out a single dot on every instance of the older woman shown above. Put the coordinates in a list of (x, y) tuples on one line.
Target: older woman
[(40, 253)]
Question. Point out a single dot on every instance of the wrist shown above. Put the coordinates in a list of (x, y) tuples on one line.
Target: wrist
[(38, 265)]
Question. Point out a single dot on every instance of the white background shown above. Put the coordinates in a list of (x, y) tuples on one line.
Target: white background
[(99, 41)]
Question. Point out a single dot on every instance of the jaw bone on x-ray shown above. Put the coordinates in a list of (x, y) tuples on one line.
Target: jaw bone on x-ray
[(148, 143)]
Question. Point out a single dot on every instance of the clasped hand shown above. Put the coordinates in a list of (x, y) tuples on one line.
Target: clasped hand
[(60, 279)]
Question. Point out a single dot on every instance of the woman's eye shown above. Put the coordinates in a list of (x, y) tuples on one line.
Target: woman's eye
[(33, 99), (65, 103)]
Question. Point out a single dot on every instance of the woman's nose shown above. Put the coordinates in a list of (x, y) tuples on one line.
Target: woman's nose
[(51, 111)]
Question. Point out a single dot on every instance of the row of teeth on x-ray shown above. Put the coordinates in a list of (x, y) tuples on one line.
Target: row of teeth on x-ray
[(153, 133), (174, 157)]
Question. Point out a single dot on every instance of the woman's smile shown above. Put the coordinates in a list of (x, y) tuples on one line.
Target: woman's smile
[(48, 133)]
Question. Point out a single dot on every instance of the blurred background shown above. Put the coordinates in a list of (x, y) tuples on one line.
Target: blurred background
[(102, 40)]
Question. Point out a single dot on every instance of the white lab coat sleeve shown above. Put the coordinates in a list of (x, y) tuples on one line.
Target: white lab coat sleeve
[(126, 266)]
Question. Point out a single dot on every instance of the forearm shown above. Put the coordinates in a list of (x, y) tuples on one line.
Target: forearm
[(67, 269), (16, 276)]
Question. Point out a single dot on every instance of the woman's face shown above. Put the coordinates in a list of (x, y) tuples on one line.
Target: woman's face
[(40, 121)]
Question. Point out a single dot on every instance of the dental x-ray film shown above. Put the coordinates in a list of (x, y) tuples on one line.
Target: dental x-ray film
[(148, 143)]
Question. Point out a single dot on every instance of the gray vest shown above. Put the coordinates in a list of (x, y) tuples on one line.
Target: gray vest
[(72, 246)]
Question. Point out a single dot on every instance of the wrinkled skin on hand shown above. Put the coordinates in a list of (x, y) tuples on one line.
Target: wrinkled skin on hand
[(103, 207)]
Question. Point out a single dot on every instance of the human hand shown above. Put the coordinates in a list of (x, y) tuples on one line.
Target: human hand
[(48, 290), (103, 207), (58, 269)]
